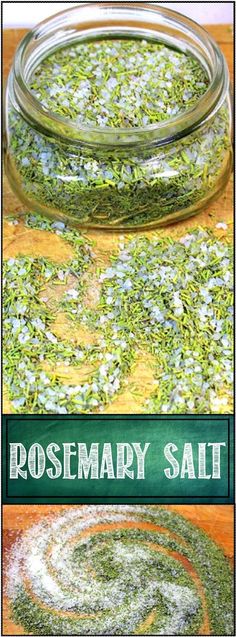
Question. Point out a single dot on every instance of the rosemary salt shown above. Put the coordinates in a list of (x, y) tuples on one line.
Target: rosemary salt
[(113, 85), (173, 299)]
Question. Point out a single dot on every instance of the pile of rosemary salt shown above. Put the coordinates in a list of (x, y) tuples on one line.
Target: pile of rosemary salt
[(172, 298), (119, 83)]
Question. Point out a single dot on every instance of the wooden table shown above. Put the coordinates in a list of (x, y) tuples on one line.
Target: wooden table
[(215, 520), (20, 240)]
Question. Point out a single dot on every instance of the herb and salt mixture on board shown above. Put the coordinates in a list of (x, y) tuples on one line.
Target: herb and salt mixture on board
[(169, 298), (117, 84), (108, 570)]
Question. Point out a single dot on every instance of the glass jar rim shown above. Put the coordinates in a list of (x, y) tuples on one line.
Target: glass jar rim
[(159, 133)]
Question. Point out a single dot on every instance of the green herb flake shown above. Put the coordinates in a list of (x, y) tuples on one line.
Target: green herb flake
[(172, 298)]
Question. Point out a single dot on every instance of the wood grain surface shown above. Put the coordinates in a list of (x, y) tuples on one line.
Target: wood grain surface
[(216, 520), (20, 240)]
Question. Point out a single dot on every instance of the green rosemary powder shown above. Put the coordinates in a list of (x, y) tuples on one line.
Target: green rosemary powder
[(119, 570)]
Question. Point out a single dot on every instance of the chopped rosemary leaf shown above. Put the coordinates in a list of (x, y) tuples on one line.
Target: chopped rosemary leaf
[(170, 298)]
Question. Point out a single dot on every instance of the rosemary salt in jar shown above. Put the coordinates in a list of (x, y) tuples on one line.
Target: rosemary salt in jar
[(118, 117)]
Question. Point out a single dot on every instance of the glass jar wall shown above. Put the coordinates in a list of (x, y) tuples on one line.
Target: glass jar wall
[(112, 177)]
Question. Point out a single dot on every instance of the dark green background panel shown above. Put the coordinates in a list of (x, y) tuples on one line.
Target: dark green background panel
[(157, 430)]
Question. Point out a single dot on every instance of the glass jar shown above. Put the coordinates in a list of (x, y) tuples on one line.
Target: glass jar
[(113, 178)]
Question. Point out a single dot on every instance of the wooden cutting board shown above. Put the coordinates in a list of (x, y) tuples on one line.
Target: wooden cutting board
[(20, 240)]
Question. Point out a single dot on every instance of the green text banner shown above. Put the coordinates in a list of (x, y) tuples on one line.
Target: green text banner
[(117, 459)]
